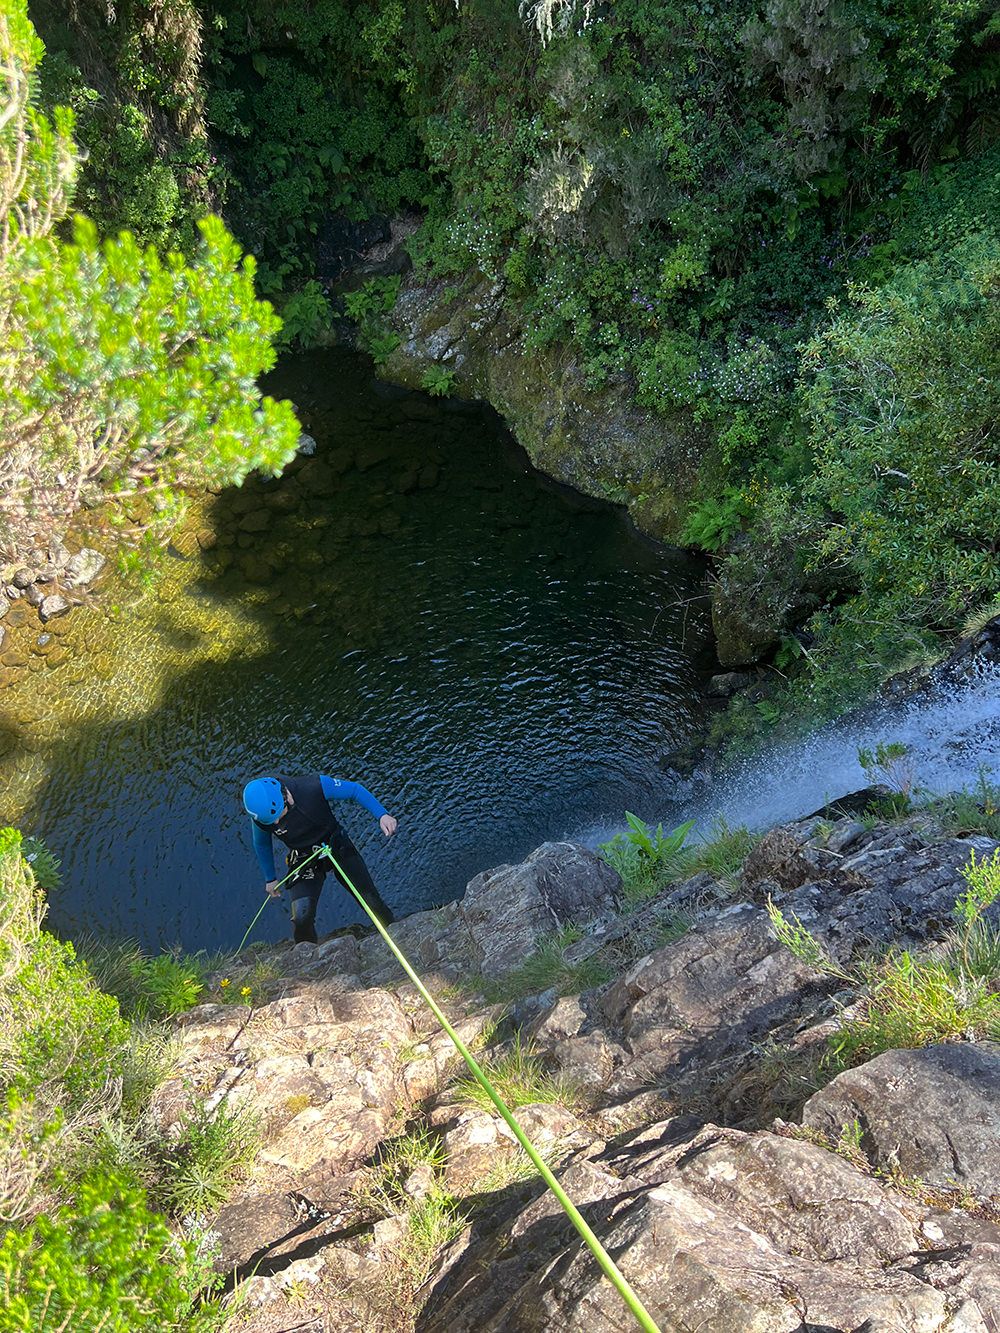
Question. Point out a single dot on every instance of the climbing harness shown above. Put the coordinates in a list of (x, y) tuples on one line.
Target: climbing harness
[(291, 875), (608, 1265)]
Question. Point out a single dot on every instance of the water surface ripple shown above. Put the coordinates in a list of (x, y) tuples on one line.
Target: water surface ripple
[(500, 660)]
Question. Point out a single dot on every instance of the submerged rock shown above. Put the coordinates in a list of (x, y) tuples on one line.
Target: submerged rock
[(52, 606), (83, 567)]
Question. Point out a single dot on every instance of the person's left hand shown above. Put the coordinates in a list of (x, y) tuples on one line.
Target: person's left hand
[(388, 825)]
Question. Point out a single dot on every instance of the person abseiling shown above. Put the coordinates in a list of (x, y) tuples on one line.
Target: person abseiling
[(297, 811)]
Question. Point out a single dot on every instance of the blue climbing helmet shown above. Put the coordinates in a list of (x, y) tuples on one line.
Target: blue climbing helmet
[(264, 800)]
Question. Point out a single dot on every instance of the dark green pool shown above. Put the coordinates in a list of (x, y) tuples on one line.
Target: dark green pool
[(499, 660)]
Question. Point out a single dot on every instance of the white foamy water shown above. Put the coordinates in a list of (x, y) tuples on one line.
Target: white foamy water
[(951, 733)]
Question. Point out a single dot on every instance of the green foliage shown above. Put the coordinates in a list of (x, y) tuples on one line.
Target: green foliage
[(644, 857), (801, 943), (44, 865), (305, 317), (103, 1262), (314, 104), (146, 987), (715, 520), (123, 373), (517, 1075), (907, 1001), (139, 115), (167, 353), (77, 1143), (368, 306), (913, 1002), (59, 1026), (431, 1223), (197, 1172), (888, 764), (889, 395), (965, 812), (438, 381), (384, 1184), (983, 880), (56, 1027), (722, 854)]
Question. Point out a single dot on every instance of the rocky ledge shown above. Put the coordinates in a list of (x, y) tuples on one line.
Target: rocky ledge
[(683, 1102)]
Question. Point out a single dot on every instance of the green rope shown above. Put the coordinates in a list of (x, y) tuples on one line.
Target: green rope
[(269, 896), (608, 1265)]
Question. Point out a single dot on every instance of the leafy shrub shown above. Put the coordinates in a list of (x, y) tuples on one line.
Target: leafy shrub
[(438, 381), (197, 1172), (305, 317), (59, 1027), (146, 987), (103, 1262), (122, 373), (889, 395), (644, 857), (56, 1027), (44, 865)]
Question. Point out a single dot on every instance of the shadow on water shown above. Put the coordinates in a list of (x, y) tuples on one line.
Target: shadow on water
[(498, 659)]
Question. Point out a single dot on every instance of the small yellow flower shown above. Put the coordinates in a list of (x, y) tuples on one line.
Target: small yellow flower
[(246, 992), (225, 982)]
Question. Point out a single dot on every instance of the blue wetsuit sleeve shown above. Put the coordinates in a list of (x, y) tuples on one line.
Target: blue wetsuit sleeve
[(264, 848), (336, 789)]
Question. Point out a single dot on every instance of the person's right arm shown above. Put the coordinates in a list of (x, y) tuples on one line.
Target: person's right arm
[(264, 848)]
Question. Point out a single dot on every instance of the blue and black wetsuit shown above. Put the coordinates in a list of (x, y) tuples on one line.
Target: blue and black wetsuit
[(308, 823)]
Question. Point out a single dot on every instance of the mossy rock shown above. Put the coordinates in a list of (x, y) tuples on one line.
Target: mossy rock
[(256, 569), (599, 442)]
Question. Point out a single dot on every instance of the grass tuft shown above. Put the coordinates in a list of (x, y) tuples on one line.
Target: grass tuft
[(519, 1078), (908, 1001), (545, 969)]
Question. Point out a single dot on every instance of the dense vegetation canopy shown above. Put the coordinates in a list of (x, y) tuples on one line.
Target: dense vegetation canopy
[(774, 220), (124, 372)]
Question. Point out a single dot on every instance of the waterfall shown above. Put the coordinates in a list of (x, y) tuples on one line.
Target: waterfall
[(950, 728)]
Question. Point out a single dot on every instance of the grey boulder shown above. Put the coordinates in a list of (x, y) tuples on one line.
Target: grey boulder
[(934, 1112)]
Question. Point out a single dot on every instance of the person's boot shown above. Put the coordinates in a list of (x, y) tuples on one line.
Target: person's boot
[(304, 932)]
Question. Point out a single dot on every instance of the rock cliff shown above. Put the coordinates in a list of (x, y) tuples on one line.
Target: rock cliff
[(601, 443), (683, 1103)]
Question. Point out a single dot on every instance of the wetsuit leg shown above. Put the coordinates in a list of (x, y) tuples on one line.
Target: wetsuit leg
[(305, 899), (350, 858)]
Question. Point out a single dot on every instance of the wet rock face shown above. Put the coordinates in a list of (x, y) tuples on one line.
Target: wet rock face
[(600, 443)]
